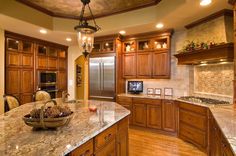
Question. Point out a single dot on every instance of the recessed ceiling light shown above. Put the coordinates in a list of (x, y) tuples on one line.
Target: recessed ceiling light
[(43, 31), (160, 25), (205, 2), (68, 39), (122, 32)]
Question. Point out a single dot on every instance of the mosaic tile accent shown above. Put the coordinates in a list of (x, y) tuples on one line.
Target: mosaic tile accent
[(214, 79)]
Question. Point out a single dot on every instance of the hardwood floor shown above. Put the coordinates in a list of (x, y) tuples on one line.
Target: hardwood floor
[(146, 143)]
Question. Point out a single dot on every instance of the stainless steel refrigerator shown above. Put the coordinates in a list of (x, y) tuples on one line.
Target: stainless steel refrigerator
[(102, 78)]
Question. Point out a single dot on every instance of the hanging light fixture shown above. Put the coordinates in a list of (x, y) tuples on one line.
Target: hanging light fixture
[(85, 32)]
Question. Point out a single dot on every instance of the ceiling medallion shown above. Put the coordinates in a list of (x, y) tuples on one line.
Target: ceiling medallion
[(85, 31)]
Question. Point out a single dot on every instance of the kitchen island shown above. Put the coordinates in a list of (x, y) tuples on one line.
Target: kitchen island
[(16, 138)]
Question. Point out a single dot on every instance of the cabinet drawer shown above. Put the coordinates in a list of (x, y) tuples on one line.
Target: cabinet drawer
[(85, 149), (193, 119), (146, 101), (124, 100), (105, 137), (192, 135), (108, 150), (193, 108)]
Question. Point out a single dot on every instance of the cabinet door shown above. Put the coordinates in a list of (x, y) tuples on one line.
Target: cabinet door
[(42, 62), (52, 63), (144, 65), (154, 116), (26, 98), (27, 61), (62, 80), (62, 64), (122, 143), (27, 81), (13, 80), (13, 59), (161, 65), (169, 115), (139, 114), (129, 65)]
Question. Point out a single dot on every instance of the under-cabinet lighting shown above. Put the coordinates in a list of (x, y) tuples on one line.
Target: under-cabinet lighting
[(43, 31), (160, 25), (122, 32), (68, 39), (205, 2)]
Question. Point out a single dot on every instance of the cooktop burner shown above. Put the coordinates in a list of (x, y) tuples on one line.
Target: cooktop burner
[(202, 100)]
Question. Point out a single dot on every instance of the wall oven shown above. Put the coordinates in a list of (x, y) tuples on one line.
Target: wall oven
[(47, 81)]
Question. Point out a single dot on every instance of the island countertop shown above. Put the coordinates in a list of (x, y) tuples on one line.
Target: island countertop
[(16, 138)]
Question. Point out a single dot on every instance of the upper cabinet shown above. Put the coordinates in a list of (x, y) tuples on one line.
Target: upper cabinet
[(147, 55), (105, 44)]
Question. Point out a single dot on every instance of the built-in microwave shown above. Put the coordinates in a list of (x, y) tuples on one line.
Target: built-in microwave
[(47, 77)]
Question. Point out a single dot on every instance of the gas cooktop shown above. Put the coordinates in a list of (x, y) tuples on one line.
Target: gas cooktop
[(202, 100)]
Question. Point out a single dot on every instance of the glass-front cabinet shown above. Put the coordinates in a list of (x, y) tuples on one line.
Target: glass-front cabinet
[(42, 50), (144, 45), (13, 44), (129, 46), (52, 52), (161, 43), (27, 47), (104, 47)]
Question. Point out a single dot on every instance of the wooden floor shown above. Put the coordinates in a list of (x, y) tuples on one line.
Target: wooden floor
[(146, 143)]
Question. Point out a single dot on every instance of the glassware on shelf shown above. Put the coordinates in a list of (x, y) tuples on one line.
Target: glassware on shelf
[(164, 45)]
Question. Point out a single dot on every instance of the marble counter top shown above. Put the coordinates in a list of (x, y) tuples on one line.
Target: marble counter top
[(225, 117), (16, 138)]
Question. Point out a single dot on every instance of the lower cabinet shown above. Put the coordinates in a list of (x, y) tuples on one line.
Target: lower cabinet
[(218, 144), (154, 117), (139, 114), (169, 115), (111, 142), (151, 113), (193, 124), (84, 150)]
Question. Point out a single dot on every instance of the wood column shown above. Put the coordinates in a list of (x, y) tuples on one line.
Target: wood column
[(233, 2)]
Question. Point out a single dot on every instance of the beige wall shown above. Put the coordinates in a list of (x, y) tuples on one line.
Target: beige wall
[(2, 43), (73, 53)]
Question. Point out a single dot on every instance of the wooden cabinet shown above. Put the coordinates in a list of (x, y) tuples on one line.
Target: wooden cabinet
[(129, 65), (161, 65), (108, 150), (13, 80), (123, 138), (169, 120), (52, 63), (27, 81), (24, 57), (127, 103), (139, 114), (144, 65), (42, 62), (154, 116), (149, 54), (13, 59), (218, 144), (62, 80), (193, 124), (27, 61), (84, 150)]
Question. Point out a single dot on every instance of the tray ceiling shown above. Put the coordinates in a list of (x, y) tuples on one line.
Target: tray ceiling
[(100, 8)]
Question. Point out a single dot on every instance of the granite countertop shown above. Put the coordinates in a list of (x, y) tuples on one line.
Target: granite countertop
[(148, 96), (225, 117), (16, 138)]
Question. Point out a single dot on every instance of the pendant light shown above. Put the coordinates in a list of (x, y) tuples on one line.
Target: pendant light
[(85, 31)]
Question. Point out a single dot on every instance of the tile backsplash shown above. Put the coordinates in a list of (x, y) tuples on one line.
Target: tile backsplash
[(213, 80)]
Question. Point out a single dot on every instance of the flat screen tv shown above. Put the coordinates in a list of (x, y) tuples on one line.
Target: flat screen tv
[(135, 87)]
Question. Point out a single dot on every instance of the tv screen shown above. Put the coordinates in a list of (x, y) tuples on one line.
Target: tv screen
[(135, 86)]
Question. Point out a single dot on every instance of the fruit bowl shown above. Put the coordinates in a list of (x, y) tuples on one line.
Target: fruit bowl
[(48, 118)]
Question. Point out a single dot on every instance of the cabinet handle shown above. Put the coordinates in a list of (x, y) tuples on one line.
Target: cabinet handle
[(107, 137), (85, 153)]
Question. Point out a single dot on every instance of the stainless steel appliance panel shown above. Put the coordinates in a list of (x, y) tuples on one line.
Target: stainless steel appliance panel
[(102, 77)]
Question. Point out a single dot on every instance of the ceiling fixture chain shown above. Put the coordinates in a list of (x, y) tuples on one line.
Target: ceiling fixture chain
[(85, 31)]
